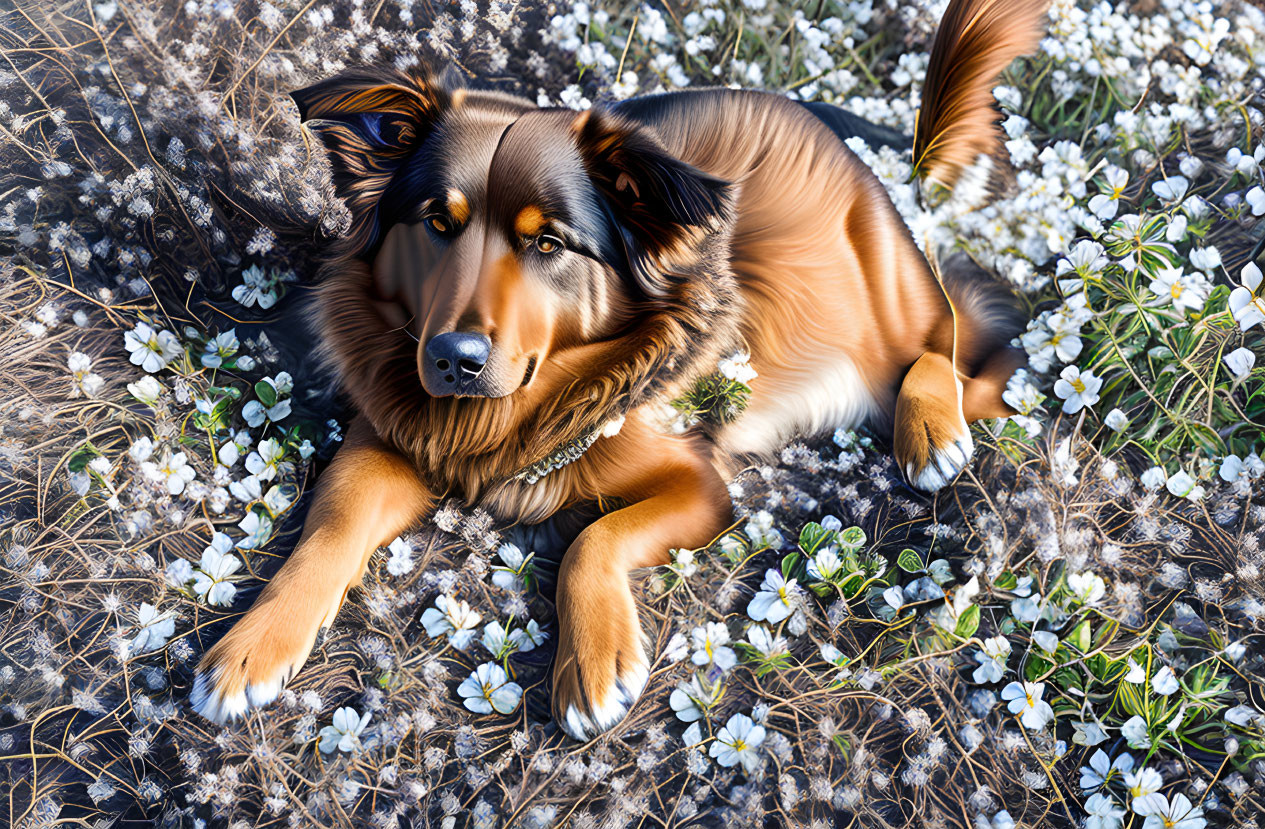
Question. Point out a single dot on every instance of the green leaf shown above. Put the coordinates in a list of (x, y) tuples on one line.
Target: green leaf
[(266, 394), (852, 537), (909, 560), (813, 536), (80, 459), (1006, 581), (789, 564), (968, 622), (1080, 637)]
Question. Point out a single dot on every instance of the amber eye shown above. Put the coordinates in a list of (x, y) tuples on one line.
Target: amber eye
[(548, 244), (440, 224)]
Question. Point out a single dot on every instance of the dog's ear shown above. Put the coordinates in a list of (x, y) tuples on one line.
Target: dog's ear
[(662, 205), (370, 121)]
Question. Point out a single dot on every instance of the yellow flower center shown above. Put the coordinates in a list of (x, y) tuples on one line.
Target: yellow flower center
[(1079, 385), (1176, 290), (739, 745)]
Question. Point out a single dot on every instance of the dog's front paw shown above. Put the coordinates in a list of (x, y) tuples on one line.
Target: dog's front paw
[(250, 665), (601, 667), (943, 463)]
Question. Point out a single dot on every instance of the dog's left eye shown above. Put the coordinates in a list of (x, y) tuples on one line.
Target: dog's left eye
[(548, 244)]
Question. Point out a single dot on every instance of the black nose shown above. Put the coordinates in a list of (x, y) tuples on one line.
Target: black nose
[(455, 360)]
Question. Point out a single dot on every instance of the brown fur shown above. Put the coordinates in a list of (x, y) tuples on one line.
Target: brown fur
[(740, 220), (958, 119)]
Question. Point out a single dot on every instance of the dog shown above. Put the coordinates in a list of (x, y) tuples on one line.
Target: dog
[(522, 289)]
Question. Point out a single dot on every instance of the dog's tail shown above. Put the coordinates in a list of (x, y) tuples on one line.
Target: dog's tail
[(957, 122)]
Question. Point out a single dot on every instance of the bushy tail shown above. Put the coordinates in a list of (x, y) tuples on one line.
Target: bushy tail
[(957, 122)]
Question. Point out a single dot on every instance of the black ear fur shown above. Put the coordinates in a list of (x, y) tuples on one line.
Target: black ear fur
[(660, 203), (369, 120)]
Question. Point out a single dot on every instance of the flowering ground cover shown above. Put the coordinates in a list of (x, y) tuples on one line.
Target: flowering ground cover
[(1069, 636)]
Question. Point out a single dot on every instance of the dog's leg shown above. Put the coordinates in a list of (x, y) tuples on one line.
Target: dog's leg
[(367, 496), (601, 665), (931, 440), (981, 397)]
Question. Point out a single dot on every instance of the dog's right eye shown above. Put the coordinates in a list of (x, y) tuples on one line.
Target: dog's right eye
[(440, 224)]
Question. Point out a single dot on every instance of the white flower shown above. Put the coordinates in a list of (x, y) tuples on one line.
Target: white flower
[(737, 742), (489, 689), (1247, 307), (1105, 204), (1161, 813), (1046, 641), (497, 641), (86, 383), (247, 489), (257, 527), (1116, 420), (1143, 782), (173, 472), (1077, 388), (1136, 674), (265, 462), (452, 618), (1103, 812), (509, 577), (1184, 291), (256, 288), (1164, 682), (1172, 189), (151, 350), (1088, 588), (528, 638), (693, 699), (1135, 733), (344, 734), (1244, 715), (992, 660), (1024, 699), (1240, 362), (1154, 478), (710, 642), (218, 563), (1184, 486), (737, 367), (1255, 199), (825, 565), (179, 572), (773, 603), (155, 629), (400, 562), (1088, 734), (147, 390), (255, 413), (220, 348), (1101, 769), (763, 640)]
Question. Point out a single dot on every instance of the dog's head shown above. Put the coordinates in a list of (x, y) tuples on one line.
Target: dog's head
[(501, 236)]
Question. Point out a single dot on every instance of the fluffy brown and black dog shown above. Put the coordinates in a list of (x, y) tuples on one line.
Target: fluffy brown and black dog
[(523, 289)]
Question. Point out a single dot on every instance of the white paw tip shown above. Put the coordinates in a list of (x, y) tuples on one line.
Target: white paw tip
[(615, 705), (944, 465), (213, 703)]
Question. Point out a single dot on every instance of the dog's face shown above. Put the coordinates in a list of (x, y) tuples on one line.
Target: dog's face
[(502, 237)]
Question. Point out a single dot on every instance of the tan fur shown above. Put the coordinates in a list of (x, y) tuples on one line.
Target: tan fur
[(368, 495), (529, 221), (976, 40), (458, 206), (676, 500), (780, 241)]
